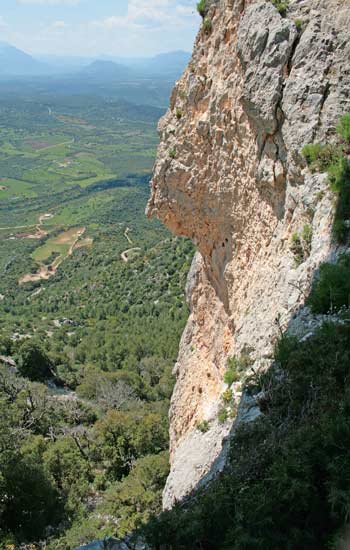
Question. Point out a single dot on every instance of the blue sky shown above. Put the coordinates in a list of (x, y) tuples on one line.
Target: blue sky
[(96, 27)]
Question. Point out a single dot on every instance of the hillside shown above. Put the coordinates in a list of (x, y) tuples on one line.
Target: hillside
[(91, 311), (16, 62), (98, 322)]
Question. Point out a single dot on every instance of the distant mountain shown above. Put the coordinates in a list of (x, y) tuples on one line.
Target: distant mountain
[(106, 69), (15, 62), (63, 64), (168, 63)]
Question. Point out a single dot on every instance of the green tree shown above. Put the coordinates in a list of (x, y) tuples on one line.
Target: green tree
[(122, 437), (29, 500), (133, 500), (33, 362)]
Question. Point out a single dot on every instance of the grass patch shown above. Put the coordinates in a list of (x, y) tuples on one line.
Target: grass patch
[(223, 415), (231, 375)]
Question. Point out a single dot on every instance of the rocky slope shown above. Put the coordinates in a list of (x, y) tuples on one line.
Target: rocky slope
[(230, 175)]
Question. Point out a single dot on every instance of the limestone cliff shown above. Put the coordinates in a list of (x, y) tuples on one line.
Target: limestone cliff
[(230, 175)]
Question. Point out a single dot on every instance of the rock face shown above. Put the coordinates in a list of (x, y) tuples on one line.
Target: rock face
[(230, 175)]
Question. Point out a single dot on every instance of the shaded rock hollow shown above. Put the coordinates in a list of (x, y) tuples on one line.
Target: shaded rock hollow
[(230, 175)]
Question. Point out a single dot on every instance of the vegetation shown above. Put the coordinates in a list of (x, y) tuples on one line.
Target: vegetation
[(202, 8), (117, 354), (84, 429), (231, 375), (227, 396), (288, 482), (301, 244), (33, 362), (85, 140), (318, 156), (236, 367), (207, 25), (331, 291), (299, 24), (339, 176), (281, 6), (335, 160), (222, 415), (343, 128), (203, 426)]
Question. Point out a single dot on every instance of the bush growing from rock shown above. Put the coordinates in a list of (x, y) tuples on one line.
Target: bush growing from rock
[(331, 290), (202, 7), (203, 426), (281, 6), (207, 25), (343, 128)]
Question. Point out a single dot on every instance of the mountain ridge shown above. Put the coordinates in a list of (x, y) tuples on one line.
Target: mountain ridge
[(17, 62), (14, 61)]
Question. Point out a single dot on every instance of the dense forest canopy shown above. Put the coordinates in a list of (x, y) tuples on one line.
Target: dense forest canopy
[(92, 308)]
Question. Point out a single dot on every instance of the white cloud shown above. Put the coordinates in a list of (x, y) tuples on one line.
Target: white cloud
[(145, 14), (134, 28)]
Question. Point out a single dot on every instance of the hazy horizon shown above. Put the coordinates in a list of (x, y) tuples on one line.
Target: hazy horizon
[(85, 28)]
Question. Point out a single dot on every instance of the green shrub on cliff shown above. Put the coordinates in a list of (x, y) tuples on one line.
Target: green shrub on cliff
[(320, 157), (281, 6), (207, 25), (301, 244), (343, 128), (339, 177), (231, 375), (331, 291), (202, 7), (335, 160), (288, 483)]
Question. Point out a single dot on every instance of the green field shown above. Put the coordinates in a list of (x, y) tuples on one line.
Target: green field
[(79, 143), (11, 188), (60, 244)]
